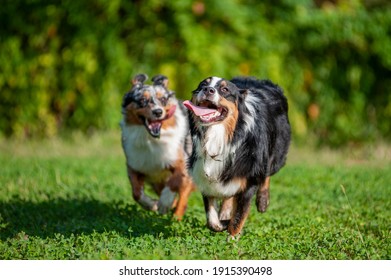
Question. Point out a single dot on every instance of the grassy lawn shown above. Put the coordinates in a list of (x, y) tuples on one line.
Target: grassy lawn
[(72, 200)]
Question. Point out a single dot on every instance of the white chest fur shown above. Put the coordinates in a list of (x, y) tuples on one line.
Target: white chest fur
[(210, 164), (149, 155)]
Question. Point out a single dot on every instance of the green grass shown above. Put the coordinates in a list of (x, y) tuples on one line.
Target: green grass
[(72, 200)]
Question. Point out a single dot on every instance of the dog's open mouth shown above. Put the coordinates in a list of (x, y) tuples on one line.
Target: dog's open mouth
[(153, 127), (207, 111)]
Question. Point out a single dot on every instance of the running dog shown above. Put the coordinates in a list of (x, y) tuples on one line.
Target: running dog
[(154, 139), (241, 135)]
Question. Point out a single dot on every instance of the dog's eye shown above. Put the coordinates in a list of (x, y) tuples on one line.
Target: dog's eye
[(224, 89), (203, 84), (143, 102), (163, 100)]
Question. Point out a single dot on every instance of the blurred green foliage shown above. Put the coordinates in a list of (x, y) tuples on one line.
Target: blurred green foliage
[(64, 65)]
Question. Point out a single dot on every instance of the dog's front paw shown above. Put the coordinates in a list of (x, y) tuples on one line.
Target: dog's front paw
[(216, 227), (166, 200), (148, 203), (233, 238), (213, 221)]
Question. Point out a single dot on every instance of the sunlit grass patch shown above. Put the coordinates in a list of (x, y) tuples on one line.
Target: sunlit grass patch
[(57, 202)]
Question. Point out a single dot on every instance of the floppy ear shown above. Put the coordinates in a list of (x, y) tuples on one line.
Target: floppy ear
[(243, 92), (160, 80), (139, 79)]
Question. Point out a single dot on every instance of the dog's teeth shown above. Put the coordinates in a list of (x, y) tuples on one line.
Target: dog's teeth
[(210, 116)]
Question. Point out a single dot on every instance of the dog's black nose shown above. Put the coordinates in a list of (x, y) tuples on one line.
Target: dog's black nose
[(157, 113), (209, 90)]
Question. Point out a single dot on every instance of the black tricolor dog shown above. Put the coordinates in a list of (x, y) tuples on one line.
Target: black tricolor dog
[(241, 135)]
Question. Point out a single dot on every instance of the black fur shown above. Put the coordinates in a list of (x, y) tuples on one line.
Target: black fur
[(264, 144), (264, 148)]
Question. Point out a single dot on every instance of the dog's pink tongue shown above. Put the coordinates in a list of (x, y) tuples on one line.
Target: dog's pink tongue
[(199, 111)]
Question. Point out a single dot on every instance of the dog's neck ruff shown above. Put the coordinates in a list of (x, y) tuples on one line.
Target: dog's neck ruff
[(213, 151)]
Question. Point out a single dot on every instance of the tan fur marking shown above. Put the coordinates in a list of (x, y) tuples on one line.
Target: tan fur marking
[(242, 182), (171, 122), (159, 94), (168, 123), (147, 94), (133, 114), (181, 183), (232, 118), (184, 193)]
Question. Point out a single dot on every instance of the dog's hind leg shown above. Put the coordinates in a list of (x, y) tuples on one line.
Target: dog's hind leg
[(137, 182), (263, 196)]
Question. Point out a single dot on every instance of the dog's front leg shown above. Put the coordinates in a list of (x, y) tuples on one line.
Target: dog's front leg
[(212, 216), (226, 210), (242, 207), (166, 200), (137, 182)]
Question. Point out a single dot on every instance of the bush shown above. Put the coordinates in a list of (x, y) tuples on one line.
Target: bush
[(66, 66)]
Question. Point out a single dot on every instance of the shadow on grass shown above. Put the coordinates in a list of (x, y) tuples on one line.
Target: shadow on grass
[(67, 217)]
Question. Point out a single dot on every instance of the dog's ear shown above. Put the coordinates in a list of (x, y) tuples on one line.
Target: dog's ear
[(160, 80), (243, 92), (139, 79)]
